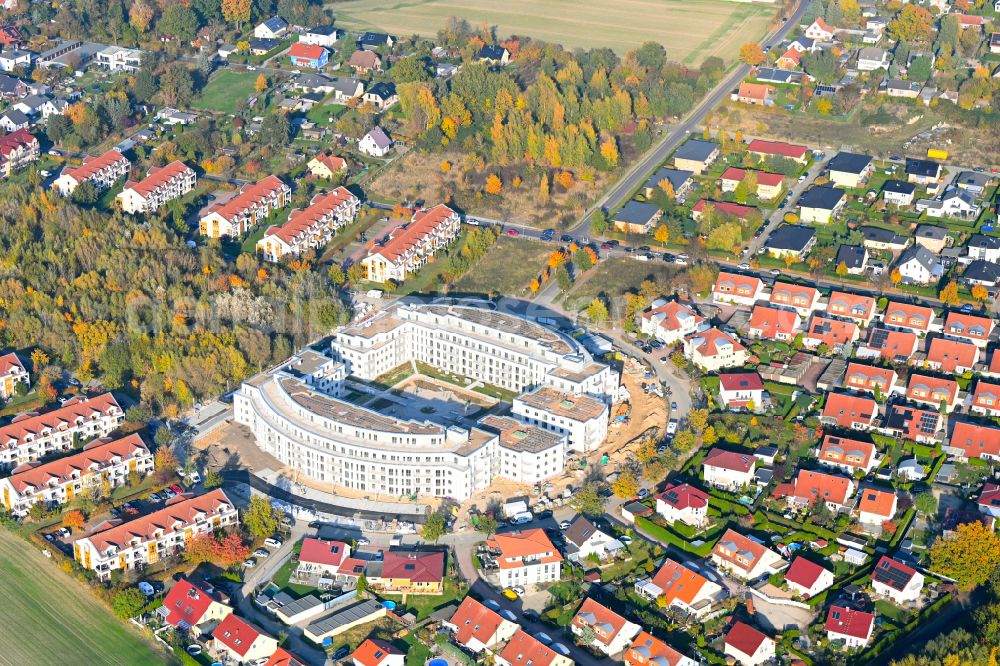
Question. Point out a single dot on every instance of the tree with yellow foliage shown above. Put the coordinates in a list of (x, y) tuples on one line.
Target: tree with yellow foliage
[(625, 485), (662, 234), (445, 166), (968, 555), (949, 295), (609, 151), (980, 293), (237, 11), (752, 54), (261, 84)]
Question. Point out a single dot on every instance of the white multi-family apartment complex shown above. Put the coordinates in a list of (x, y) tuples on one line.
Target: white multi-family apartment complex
[(30, 437), (411, 246), (101, 171), (337, 442), (311, 228), (583, 419), (299, 418), (251, 206), (59, 481), (164, 533), (492, 347), (161, 186)]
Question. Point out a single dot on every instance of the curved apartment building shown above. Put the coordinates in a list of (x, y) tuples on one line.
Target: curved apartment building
[(304, 423), (492, 347)]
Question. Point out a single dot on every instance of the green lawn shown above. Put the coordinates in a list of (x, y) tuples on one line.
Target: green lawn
[(508, 268), (422, 605), (615, 276), (225, 91), (51, 619), (324, 114)]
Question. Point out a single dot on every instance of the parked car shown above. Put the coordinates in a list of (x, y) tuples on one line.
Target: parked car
[(508, 593), (250, 563), (145, 588), (261, 552), (564, 525), (274, 542), (518, 590), (513, 232), (177, 490), (342, 652)]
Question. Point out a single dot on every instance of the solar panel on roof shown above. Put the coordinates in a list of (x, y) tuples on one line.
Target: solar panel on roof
[(879, 337), (891, 576), (928, 422)]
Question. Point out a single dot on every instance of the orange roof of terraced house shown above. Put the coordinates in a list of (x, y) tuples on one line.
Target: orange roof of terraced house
[(986, 396), (810, 486), (949, 355), (845, 451), (526, 650), (968, 326), (73, 413), (646, 649), (320, 207), (934, 390), (848, 410), (473, 620), (830, 331), (905, 315), (424, 223), (94, 165), (975, 440), (855, 306), (250, 197), (96, 455), (770, 323), (734, 283), (158, 177), (892, 345), (866, 377), (605, 622)]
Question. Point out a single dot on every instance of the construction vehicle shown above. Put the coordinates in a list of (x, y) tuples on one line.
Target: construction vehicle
[(623, 412)]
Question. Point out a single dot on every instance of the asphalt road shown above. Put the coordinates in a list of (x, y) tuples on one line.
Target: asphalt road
[(638, 172)]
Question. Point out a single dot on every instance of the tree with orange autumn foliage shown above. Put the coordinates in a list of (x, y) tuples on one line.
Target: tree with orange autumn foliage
[(494, 185), (556, 259), (74, 519), (752, 54), (565, 179)]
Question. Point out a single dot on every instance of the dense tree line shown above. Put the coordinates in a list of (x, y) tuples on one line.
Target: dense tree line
[(552, 109), (129, 302)]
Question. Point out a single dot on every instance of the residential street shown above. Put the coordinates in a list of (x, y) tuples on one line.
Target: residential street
[(638, 172)]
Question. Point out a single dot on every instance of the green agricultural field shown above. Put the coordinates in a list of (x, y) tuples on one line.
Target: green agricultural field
[(691, 30), (226, 90), (50, 619)]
